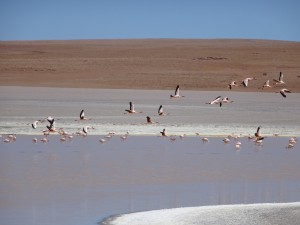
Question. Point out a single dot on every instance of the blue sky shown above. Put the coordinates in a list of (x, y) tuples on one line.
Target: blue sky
[(106, 19)]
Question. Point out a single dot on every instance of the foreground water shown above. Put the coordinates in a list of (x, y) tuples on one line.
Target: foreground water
[(20, 106), (82, 181)]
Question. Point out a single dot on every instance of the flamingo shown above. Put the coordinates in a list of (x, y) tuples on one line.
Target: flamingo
[(102, 140), (163, 133), (50, 119), (205, 139), (266, 84), (6, 140), (226, 140), (62, 132), (125, 136), (220, 101), (176, 95), (226, 100), (259, 140), (217, 100), (280, 79), (290, 145), (283, 91), (62, 139), (131, 108), (51, 126), (81, 116), (160, 111), (182, 136), (173, 138), (44, 140), (238, 145), (257, 134), (70, 137), (245, 82), (149, 121), (232, 84), (34, 124), (85, 129), (109, 136), (293, 140)]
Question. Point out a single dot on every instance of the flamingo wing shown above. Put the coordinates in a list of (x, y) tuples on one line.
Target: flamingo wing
[(177, 90), (81, 114)]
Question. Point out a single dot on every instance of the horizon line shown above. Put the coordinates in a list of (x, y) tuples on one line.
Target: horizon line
[(99, 39)]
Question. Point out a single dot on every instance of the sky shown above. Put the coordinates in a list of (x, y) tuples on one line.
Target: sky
[(127, 19)]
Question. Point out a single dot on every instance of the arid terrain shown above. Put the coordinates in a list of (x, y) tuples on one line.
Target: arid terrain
[(149, 63)]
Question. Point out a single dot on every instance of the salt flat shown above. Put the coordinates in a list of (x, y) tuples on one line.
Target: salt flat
[(264, 214), (20, 106)]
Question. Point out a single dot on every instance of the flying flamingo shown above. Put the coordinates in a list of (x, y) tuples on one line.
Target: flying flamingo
[(217, 100), (280, 79), (245, 82), (232, 84), (81, 116), (34, 124), (86, 128), (149, 121), (257, 134), (226, 100), (51, 126), (161, 111), (283, 91), (131, 109), (266, 84), (163, 133), (176, 95)]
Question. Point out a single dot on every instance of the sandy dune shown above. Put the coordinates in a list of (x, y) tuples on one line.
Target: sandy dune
[(148, 63)]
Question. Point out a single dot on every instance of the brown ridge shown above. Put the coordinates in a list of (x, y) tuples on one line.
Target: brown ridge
[(194, 64)]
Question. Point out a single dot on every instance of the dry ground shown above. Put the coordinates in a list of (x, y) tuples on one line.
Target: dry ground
[(149, 63)]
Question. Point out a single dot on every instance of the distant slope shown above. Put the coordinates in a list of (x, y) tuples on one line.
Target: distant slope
[(195, 64)]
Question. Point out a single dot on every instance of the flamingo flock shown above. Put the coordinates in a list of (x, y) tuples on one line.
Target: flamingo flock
[(277, 83), (84, 130)]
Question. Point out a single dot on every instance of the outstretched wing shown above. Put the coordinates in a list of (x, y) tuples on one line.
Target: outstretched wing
[(283, 94), (50, 120), (245, 83), (280, 76), (81, 114), (177, 90), (267, 83), (217, 99), (160, 109), (257, 131)]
